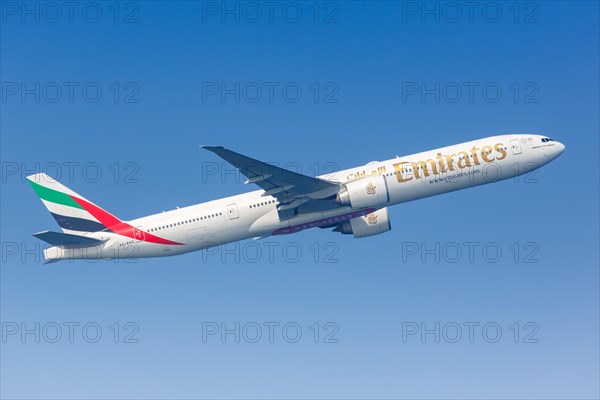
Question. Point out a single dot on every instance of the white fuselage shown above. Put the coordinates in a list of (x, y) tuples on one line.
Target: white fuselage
[(251, 215)]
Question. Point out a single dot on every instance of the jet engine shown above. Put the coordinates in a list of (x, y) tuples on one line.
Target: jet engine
[(369, 192), (371, 224)]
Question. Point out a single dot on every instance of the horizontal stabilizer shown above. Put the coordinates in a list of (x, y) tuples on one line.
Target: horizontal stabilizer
[(68, 240)]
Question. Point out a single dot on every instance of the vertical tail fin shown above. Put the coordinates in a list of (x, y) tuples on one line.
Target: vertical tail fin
[(73, 212)]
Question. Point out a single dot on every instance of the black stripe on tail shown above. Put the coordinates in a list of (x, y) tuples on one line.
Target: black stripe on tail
[(78, 224)]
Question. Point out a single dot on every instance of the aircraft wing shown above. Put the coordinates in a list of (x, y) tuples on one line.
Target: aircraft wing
[(290, 188)]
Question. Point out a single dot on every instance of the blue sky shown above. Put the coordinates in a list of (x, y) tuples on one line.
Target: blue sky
[(148, 89)]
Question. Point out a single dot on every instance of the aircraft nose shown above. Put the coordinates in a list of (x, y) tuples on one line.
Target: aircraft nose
[(553, 149)]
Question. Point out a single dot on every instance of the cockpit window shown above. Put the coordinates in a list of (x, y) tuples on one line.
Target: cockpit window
[(544, 140)]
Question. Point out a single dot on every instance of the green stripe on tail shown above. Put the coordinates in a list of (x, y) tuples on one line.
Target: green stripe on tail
[(54, 196)]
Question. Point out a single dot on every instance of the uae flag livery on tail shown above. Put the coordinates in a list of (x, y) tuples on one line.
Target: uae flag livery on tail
[(76, 215), (66, 206)]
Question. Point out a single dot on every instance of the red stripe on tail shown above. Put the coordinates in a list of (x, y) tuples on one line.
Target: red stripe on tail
[(117, 226)]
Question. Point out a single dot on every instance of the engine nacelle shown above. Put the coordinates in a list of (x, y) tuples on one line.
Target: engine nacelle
[(369, 192), (371, 224)]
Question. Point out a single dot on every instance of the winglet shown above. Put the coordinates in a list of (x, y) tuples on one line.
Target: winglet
[(211, 148)]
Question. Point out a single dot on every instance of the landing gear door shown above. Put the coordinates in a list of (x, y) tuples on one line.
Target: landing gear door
[(515, 145), (232, 211)]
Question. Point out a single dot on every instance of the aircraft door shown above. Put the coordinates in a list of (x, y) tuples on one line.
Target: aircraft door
[(232, 211), (516, 147), (138, 233)]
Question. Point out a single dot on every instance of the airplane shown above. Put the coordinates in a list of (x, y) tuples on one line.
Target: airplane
[(352, 201)]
